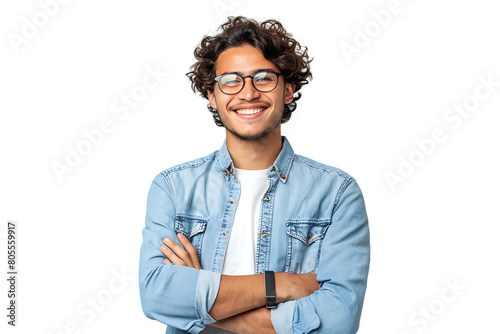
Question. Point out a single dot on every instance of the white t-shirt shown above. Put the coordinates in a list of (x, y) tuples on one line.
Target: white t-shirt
[(242, 245)]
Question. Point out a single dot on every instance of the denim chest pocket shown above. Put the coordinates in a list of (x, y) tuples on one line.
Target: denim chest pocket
[(304, 239), (193, 228)]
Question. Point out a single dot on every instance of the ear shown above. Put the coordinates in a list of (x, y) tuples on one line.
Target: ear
[(211, 99), (289, 90)]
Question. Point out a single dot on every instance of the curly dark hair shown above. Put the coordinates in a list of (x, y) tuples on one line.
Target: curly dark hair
[(270, 37)]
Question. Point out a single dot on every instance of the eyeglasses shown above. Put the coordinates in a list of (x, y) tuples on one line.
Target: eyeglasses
[(233, 83)]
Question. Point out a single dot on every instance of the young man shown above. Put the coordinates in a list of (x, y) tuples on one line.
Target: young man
[(254, 238)]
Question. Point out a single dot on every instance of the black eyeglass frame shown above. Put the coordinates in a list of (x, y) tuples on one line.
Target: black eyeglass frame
[(253, 84)]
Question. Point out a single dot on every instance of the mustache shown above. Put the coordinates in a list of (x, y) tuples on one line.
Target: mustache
[(260, 103)]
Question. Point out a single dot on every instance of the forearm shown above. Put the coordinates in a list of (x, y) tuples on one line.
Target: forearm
[(253, 321), (238, 294)]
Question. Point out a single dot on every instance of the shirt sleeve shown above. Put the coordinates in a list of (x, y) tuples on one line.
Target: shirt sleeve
[(342, 273), (178, 296)]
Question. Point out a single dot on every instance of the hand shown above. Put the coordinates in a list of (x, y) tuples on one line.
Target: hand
[(295, 286), (187, 256)]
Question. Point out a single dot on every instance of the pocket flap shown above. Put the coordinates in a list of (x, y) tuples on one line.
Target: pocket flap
[(307, 230), (190, 226)]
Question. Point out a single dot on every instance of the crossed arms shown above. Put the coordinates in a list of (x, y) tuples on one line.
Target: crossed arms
[(182, 295), (239, 306)]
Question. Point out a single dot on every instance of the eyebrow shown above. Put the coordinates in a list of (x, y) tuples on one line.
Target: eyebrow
[(252, 73)]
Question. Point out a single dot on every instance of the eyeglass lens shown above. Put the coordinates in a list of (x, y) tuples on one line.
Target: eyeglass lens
[(262, 81)]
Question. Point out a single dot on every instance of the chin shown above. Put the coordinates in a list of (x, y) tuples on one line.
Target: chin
[(252, 136)]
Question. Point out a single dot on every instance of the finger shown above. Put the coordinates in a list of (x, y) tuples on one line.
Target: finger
[(171, 257), (193, 254), (179, 252)]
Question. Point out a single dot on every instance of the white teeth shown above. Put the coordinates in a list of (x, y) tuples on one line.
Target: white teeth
[(249, 111)]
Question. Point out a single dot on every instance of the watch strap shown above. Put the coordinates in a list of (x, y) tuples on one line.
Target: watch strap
[(270, 289)]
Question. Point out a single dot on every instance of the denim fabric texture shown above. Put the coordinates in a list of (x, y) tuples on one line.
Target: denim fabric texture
[(312, 220)]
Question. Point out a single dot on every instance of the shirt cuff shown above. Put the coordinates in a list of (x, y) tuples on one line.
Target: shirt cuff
[(282, 317), (206, 293)]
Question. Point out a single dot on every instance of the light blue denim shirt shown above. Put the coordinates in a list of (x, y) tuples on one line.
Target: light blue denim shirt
[(312, 220)]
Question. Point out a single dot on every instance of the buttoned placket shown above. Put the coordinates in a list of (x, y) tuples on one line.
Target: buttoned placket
[(234, 190), (263, 254)]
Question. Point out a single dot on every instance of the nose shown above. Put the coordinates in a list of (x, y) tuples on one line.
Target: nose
[(248, 92)]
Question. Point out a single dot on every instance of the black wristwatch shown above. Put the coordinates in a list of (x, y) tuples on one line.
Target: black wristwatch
[(270, 289)]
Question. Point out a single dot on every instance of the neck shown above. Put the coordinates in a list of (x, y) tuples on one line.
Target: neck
[(253, 155)]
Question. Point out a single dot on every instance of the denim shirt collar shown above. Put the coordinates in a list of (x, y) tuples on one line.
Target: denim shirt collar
[(281, 166)]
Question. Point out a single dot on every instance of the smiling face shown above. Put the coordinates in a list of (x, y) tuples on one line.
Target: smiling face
[(249, 114)]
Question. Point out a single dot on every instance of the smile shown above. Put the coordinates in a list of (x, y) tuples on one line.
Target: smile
[(249, 111)]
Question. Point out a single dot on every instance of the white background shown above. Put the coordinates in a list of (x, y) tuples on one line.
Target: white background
[(440, 225)]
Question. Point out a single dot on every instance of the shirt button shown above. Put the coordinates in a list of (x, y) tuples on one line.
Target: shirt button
[(224, 233), (232, 202), (282, 176), (267, 198), (309, 235), (231, 170), (226, 173)]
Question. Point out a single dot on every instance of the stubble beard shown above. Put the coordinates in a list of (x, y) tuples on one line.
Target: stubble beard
[(275, 122)]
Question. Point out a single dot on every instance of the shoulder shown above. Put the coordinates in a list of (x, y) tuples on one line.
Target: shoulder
[(318, 167), (328, 180), (321, 176), (184, 170), (190, 165)]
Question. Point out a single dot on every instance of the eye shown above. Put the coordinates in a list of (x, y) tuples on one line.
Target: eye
[(230, 80), (263, 77)]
